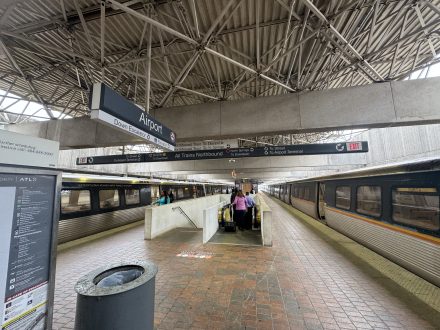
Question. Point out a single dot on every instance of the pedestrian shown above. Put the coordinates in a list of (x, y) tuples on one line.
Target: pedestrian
[(250, 203), (167, 197), (171, 196), (232, 209), (233, 194), (162, 200), (240, 209)]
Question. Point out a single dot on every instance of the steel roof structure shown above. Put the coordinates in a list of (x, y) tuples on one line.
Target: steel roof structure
[(162, 53)]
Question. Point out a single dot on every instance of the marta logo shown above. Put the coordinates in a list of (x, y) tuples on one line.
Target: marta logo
[(173, 136)]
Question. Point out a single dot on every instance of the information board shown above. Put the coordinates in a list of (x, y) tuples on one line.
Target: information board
[(27, 239), (287, 150), (19, 149)]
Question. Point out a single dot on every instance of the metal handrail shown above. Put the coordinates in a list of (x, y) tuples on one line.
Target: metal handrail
[(186, 215)]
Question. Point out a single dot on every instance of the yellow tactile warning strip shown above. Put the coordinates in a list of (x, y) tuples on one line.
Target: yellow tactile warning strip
[(423, 290)]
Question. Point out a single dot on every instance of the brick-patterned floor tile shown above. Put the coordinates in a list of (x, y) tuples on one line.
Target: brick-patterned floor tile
[(303, 282)]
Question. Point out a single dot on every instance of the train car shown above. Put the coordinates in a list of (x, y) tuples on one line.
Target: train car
[(91, 204), (392, 210), (303, 197)]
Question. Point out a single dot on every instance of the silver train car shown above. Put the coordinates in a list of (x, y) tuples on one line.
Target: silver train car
[(392, 210), (91, 204)]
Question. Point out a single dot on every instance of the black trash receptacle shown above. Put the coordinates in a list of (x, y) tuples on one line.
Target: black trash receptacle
[(117, 296)]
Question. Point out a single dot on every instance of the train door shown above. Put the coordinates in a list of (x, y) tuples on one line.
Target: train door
[(321, 201), (155, 193)]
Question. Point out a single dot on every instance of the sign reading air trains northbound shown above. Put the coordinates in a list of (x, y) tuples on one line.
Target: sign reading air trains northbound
[(288, 150), (116, 111)]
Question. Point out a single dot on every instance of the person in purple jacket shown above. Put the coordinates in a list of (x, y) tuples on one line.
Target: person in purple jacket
[(240, 209)]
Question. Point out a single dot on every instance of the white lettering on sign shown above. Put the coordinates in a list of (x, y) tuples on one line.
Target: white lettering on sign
[(150, 124), (112, 121), (121, 124), (207, 145)]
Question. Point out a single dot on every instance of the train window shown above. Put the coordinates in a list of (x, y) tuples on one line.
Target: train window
[(132, 196), (343, 197), (108, 198), (308, 194), (418, 207), (369, 200), (180, 193), (75, 201)]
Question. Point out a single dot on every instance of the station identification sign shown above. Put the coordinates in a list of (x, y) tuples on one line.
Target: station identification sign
[(116, 111)]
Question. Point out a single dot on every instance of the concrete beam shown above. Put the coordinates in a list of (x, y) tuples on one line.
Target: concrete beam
[(76, 133), (385, 104)]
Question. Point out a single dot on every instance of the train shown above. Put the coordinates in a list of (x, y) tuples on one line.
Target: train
[(91, 204), (393, 210)]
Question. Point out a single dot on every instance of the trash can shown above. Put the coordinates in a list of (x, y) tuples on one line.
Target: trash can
[(117, 296)]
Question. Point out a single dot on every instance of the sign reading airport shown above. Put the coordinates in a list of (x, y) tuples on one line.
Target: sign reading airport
[(116, 111), (287, 150)]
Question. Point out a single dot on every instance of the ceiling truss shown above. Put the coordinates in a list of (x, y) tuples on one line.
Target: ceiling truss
[(182, 52)]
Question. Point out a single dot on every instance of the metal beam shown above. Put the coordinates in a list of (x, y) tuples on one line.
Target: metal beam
[(148, 70), (151, 21), (103, 4), (194, 42), (28, 81), (84, 26), (335, 32), (45, 45)]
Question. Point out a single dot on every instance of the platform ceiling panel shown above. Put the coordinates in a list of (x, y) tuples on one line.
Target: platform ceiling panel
[(51, 51)]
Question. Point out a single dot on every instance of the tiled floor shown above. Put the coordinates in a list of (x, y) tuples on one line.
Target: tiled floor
[(246, 237), (302, 282)]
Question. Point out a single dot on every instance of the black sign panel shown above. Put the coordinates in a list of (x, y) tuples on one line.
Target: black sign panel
[(289, 150), (118, 106), (27, 204)]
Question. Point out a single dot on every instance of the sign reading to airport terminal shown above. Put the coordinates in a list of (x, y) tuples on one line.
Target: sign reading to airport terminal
[(287, 150), (116, 111)]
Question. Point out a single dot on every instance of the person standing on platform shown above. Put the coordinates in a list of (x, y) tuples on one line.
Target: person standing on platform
[(250, 203), (171, 196), (240, 209), (163, 199), (233, 194), (167, 198)]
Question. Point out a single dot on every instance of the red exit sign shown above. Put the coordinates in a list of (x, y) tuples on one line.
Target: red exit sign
[(354, 146)]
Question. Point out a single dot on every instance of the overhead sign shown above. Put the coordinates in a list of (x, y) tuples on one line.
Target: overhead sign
[(210, 144), (288, 150), (19, 149), (27, 247), (116, 111)]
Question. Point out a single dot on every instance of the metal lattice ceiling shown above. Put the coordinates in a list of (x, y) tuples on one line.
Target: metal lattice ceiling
[(179, 52)]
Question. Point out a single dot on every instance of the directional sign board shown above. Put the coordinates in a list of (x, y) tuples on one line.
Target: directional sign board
[(289, 150), (116, 111)]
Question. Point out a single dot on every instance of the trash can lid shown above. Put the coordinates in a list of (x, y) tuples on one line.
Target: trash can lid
[(116, 278)]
